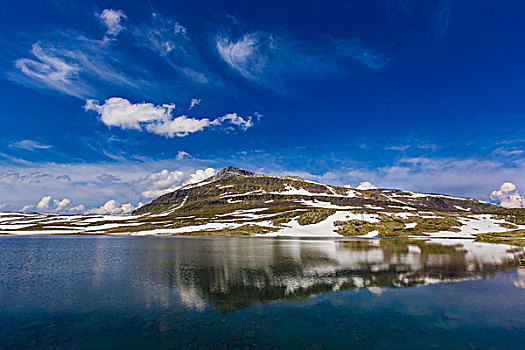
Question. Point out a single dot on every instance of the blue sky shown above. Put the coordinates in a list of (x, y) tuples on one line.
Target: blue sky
[(98, 98)]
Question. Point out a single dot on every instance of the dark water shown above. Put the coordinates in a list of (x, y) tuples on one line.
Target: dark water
[(169, 293)]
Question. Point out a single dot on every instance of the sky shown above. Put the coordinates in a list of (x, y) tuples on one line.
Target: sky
[(107, 104)]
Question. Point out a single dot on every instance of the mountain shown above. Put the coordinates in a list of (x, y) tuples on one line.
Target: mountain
[(240, 202), (238, 189)]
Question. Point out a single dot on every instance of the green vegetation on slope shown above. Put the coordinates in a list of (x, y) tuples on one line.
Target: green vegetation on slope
[(389, 227), (314, 216), (514, 237), (244, 230)]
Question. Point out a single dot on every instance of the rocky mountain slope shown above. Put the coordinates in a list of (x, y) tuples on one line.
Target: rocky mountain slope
[(240, 202), (242, 189)]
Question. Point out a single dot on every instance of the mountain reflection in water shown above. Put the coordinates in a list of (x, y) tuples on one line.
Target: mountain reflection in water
[(76, 292), (232, 273)]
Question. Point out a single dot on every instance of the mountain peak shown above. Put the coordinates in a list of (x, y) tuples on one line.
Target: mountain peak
[(233, 171)]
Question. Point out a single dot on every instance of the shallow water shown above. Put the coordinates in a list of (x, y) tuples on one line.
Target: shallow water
[(168, 293)]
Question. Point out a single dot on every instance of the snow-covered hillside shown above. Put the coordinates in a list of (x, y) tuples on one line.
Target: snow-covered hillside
[(238, 202)]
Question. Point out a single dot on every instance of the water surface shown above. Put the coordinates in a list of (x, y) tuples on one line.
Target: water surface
[(168, 293)]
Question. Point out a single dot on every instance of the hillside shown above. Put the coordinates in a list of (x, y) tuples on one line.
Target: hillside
[(239, 202), (234, 188)]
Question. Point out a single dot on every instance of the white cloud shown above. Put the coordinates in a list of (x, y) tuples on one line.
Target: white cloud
[(235, 119), (156, 119), (400, 148), (194, 102), (113, 207), (199, 176), (508, 196), (29, 145), (157, 184), (182, 155), (2, 206), (112, 20), (79, 209), (180, 126), (165, 181), (64, 204), (49, 204), (120, 112), (366, 185), (26, 207), (44, 203)]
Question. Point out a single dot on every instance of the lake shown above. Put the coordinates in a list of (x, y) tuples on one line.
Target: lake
[(104, 292)]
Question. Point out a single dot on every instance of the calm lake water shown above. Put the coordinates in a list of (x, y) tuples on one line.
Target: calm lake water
[(169, 293)]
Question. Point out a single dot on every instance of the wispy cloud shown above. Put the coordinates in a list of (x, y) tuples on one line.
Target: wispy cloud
[(34, 177), (55, 69), (442, 17), (269, 59), (508, 151), (244, 54), (357, 50), (158, 119), (163, 35), (183, 155), (29, 145), (171, 41), (400, 148), (76, 64), (72, 64), (437, 15), (12, 159), (431, 147)]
